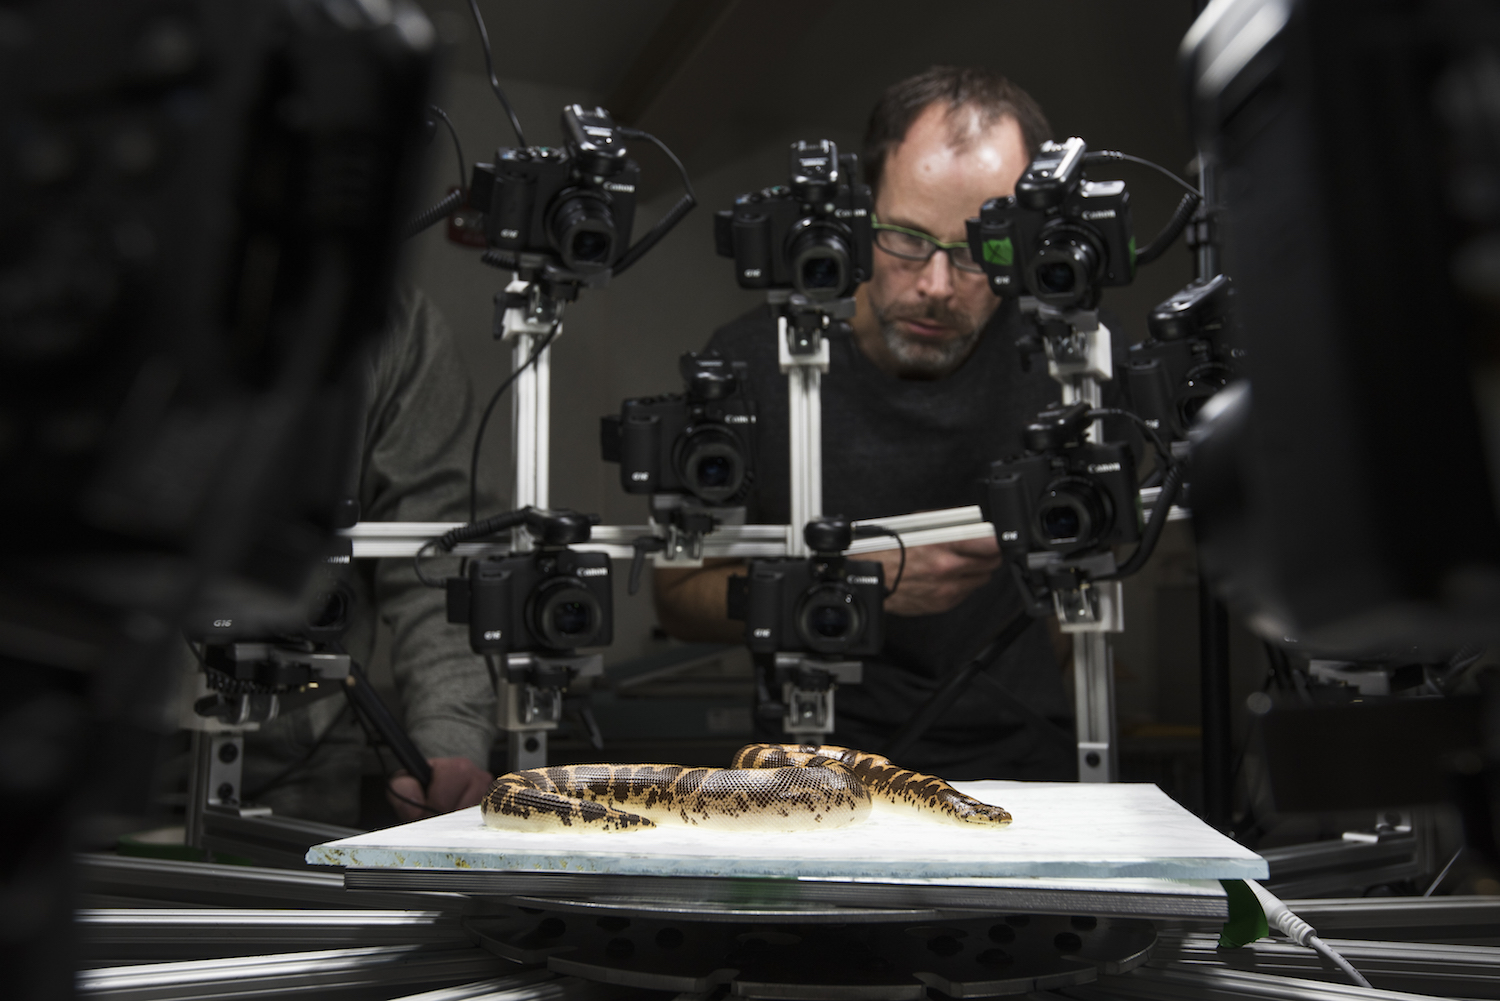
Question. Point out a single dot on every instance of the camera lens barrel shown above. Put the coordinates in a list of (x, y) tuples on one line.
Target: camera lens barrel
[(582, 229), (1072, 514), (710, 464), (1065, 269), (829, 619), (820, 258), (565, 614)]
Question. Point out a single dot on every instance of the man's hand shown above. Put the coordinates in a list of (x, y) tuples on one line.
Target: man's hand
[(456, 783), (939, 576)]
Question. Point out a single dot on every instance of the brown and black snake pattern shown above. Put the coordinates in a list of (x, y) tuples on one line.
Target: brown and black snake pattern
[(769, 788)]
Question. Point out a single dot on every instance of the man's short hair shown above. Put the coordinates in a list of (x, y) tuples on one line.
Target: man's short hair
[(959, 87)]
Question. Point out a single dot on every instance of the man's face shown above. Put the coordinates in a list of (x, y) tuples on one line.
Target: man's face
[(921, 320)]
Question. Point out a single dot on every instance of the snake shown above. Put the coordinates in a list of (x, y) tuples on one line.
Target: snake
[(767, 788)]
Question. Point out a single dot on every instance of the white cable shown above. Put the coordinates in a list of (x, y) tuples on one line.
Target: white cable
[(1299, 931)]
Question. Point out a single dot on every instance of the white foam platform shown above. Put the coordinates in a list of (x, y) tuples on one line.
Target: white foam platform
[(1061, 830)]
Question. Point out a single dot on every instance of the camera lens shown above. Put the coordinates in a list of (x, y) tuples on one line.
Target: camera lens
[(1066, 266), (829, 620), (1200, 386), (711, 464), (820, 259), (565, 614), (1055, 277), (329, 610), (1072, 514), (583, 231)]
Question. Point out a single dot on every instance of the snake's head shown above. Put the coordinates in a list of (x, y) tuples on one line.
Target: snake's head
[(968, 810)]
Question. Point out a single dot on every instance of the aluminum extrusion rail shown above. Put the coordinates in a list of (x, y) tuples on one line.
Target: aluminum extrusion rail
[(1468, 971), (1406, 918), (142, 881), (393, 539), (307, 974), (162, 933), (1180, 983)]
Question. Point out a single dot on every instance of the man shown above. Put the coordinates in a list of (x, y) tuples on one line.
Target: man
[(412, 466), (926, 393)]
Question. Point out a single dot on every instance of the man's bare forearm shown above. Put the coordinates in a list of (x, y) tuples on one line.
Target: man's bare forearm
[(692, 605)]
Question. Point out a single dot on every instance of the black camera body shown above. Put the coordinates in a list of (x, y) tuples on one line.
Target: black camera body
[(1186, 359), (572, 206), (1059, 238), (549, 601), (812, 235), (1070, 496), (698, 442), (826, 604)]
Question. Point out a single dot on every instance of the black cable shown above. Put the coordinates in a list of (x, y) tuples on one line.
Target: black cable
[(437, 213), (385, 767), (869, 531), (458, 149), (1157, 442), (1102, 155), (249, 797), (463, 533), (489, 67), (490, 407), (1154, 526), (953, 687), (673, 216), (1181, 216)]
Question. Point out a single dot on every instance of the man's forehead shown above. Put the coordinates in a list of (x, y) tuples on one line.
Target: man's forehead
[(947, 166)]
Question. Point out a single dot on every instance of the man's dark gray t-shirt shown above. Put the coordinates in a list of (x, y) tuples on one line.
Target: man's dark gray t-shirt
[(893, 446)]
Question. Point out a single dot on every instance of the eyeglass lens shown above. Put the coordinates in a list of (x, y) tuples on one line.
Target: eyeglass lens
[(911, 247)]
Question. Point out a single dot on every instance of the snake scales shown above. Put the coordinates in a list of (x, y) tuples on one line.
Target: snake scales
[(768, 787)]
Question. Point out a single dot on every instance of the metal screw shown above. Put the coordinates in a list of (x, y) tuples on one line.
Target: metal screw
[(228, 753), (1092, 759), (226, 791)]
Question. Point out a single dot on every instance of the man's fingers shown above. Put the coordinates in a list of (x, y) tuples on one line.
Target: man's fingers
[(985, 546), (405, 796)]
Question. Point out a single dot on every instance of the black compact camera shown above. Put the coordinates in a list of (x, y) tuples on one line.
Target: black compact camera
[(572, 206), (1069, 496), (1059, 238), (698, 442), (811, 235), (1186, 359), (824, 604), (550, 601)]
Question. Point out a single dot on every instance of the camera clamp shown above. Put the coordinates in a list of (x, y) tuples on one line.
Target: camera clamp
[(247, 673)]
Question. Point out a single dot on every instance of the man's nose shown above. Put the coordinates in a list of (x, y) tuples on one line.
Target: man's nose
[(934, 280)]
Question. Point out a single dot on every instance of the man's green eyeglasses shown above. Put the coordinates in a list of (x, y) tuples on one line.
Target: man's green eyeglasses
[(914, 245)]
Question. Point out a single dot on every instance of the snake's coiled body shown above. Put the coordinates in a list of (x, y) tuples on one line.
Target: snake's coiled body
[(769, 787)]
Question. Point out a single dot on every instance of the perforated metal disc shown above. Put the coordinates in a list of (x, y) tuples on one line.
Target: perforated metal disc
[(974, 957)]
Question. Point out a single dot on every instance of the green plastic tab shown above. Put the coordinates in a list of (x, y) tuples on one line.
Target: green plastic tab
[(1247, 921), (999, 252)]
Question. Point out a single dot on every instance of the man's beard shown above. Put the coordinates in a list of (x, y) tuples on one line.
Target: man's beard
[(922, 358)]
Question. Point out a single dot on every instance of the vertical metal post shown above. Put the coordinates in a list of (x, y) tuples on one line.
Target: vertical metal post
[(1213, 651), (804, 384), (531, 400), (197, 792), (1080, 362), (1094, 707)]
